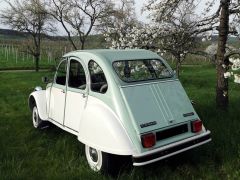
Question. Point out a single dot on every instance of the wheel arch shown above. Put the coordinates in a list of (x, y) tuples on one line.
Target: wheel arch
[(31, 102), (38, 98)]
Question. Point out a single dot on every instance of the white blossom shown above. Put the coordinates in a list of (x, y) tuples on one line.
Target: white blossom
[(234, 67), (237, 78), (236, 64), (227, 75)]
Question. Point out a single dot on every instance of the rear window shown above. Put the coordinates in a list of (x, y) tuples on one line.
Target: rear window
[(141, 70)]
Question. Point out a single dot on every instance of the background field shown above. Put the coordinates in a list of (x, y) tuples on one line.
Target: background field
[(27, 153), (14, 54)]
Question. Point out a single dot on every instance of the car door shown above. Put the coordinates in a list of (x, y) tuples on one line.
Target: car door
[(76, 94), (58, 93)]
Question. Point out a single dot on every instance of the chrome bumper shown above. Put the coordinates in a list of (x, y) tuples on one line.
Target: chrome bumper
[(171, 149)]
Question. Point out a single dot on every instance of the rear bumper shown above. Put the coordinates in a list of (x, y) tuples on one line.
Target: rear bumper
[(171, 149)]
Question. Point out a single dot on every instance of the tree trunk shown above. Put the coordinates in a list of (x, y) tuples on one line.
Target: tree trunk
[(37, 63), (82, 44), (222, 83), (178, 66)]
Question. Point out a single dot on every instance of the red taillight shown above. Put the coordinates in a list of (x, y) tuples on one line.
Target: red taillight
[(148, 140), (196, 126)]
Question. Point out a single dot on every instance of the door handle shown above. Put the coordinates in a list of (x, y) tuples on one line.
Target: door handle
[(63, 91), (84, 95)]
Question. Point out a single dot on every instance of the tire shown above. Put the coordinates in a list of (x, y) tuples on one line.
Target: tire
[(101, 162), (37, 122)]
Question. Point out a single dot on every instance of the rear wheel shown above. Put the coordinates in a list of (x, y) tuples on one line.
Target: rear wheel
[(37, 122), (101, 162), (95, 158)]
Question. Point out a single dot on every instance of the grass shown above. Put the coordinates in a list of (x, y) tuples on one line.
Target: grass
[(27, 153)]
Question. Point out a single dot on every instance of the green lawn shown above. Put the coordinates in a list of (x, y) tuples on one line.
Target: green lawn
[(27, 153)]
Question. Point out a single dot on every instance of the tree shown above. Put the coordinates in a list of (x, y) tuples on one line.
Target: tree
[(179, 36), (122, 11), (176, 35), (117, 25), (218, 20), (28, 16), (78, 18), (122, 29), (136, 36)]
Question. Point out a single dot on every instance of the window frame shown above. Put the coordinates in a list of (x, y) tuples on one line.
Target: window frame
[(90, 79), (84, 69), (66, 66)]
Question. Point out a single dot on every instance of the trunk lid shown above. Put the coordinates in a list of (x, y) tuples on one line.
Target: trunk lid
[(157, 105)]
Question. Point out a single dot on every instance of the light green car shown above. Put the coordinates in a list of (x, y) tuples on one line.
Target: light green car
[(120, 103)]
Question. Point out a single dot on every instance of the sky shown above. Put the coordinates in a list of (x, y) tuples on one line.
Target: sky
[(138, 6)]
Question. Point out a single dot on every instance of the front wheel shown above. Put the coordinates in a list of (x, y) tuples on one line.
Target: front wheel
[(37, 122)]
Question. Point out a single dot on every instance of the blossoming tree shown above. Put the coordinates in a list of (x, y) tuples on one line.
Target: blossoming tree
[(176, 35), (165, 11)]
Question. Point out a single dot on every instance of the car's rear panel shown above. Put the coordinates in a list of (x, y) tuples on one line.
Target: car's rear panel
[(158, 105)]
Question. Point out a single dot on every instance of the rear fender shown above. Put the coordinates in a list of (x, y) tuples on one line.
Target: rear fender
[(100, 128), (38, 98)]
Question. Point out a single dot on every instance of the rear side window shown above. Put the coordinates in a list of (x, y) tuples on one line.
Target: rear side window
[(61, 73), (98, 79), (77, 77)]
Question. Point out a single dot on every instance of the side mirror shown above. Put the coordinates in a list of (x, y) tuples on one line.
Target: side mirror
[(38, 88), (45, 80), (193, 102)]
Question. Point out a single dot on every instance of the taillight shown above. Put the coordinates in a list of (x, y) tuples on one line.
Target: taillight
[(148, 140), (196, 126)]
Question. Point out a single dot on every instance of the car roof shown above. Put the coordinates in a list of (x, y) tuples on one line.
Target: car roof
[(116, 54)]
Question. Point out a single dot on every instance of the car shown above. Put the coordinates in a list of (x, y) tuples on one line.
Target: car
[(119, 103)]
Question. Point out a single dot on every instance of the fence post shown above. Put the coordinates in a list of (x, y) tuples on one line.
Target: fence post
[(7, 54), (23, 56), (16, 51)]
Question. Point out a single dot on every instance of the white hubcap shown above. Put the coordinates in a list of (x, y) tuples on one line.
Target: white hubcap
[(35, 117), (94, 158)]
